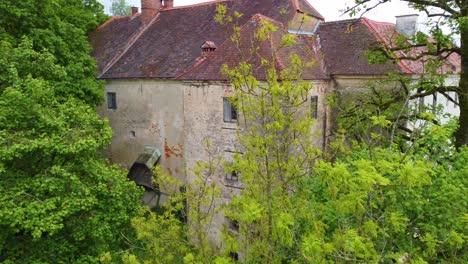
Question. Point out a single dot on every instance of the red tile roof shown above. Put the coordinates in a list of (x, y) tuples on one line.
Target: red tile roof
[(112, 36), (345, 43), (170, 45), (387, 33), (232, 53)]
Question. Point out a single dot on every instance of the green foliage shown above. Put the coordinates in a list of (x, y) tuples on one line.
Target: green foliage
[(378, 204), (167, 236), (60, 200), (121, 8), (276, 153), (376, 199), (446, 38), (58, 196), (61, 27), (160, 239)]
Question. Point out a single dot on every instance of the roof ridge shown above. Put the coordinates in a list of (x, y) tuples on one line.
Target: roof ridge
[(195, 5), (341, 21), (379, 22), (106, 23), (130, 43)]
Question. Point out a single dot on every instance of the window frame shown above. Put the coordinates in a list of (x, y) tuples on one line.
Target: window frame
[(230, 113), (314, 106), (232, 176), (111, 100)]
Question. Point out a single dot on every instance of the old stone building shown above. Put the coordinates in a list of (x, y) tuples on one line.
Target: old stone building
[(164, 87)]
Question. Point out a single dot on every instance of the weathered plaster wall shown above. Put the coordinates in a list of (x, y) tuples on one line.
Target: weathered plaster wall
[(204, 123), (180, 118), (321, 129), (203, 113), (148, 113)]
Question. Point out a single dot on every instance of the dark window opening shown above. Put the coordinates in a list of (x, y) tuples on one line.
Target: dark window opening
[(230, 112), (234, 225), (111, 100), (234, 256), (232, 176), (314, 106)]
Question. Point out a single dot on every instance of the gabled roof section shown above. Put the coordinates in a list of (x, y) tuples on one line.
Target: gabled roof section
[(112, 36), (345, 43), (249, 49), (387, 33), (171, 44)]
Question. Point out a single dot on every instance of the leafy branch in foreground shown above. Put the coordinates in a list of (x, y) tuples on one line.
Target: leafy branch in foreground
[(433, 49)]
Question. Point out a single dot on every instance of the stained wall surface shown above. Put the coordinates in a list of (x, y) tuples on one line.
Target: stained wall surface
[(148, 113), (185, 121)]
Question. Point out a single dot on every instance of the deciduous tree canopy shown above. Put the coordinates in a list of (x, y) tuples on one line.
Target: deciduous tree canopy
[(61, 27), (120, 8), (60, 201)]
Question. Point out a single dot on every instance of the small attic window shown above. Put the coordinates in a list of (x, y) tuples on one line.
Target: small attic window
[(207, 48)]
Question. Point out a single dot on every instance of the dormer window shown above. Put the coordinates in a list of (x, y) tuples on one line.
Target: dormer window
[(207, 48)]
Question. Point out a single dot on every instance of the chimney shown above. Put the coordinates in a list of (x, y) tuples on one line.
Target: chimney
[(407, 24), (134, 10), (149, 9), (168, 3)]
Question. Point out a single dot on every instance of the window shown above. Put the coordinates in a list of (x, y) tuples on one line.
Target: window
[(111, 100), (233, 225), (230, 112), (314, 106), (421, 104), (232, 176), (234, 256)]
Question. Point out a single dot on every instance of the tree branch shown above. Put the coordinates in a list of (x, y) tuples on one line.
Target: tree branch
[(439, 4), (449, 98)]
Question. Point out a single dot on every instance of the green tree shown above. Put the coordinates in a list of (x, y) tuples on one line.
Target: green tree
[(60, 200), (120, 8), (277, 152), (381, 204), (178, 231), (438, 46), (61, 27), (375, 201)]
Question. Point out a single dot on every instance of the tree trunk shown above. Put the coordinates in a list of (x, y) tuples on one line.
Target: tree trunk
[(461, 134)]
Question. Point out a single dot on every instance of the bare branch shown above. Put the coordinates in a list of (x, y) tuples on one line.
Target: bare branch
[(350, 9), (439, 4), (450, 98)]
